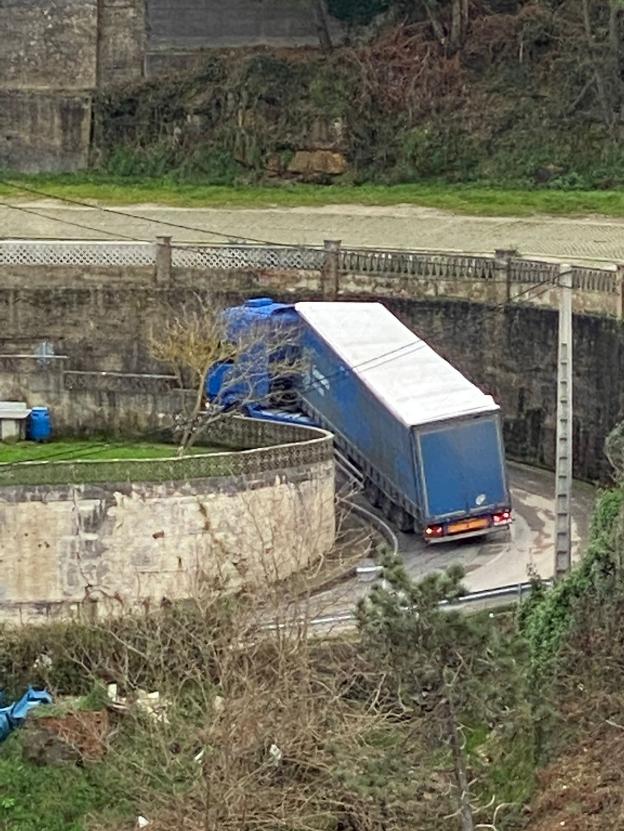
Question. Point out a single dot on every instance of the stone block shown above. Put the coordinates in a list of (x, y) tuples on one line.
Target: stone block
[(314, 162)]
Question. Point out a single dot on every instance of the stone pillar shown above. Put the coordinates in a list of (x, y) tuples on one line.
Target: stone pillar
[(502, 270), (619, 276), (163, 259), (330, 271)]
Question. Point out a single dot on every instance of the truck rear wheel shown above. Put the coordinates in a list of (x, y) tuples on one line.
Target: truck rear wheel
[(372, 493), (403, 521), (386, 505)]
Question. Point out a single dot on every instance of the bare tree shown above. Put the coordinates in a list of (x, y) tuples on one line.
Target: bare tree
[(257, 724), (203, 337), (590, 33), (614, 450)]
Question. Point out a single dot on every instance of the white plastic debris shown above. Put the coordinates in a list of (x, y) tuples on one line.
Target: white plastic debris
[(150, 703), (142, 822), (276, 754), (43, 661), (153, 705)]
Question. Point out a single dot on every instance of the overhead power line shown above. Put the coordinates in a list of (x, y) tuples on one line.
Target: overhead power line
[(138, 217), (408, 349), (80, 225)]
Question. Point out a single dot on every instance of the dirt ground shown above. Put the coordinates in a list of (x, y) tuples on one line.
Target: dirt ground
[(583, 790)]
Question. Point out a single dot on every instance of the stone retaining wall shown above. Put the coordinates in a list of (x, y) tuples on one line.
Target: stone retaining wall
[(129, 533)]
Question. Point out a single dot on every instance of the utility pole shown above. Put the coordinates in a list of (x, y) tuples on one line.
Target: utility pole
[(563, 485)]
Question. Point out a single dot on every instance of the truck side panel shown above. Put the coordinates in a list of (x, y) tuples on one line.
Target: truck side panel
[(463, 468), (335, 394)]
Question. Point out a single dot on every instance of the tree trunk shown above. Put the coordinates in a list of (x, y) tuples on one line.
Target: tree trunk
[(438, 29), (459, 24), (599, 78), (615, 48), (615, 8), (191, 424), (459, 768), (322, 25)]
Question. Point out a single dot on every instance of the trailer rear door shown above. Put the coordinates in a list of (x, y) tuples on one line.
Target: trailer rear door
[(462, 468)]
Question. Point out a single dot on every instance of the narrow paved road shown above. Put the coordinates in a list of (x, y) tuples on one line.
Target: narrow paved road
[(588, 239), (490, 562)]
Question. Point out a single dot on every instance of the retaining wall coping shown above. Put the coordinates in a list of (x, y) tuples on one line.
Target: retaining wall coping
[(315, 445)]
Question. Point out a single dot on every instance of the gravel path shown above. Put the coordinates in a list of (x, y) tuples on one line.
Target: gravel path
[(589, 238)]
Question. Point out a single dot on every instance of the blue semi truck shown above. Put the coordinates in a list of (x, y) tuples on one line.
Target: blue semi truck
[(427, 441)]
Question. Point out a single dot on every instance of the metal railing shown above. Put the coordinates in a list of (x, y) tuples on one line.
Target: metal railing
[(501, 596)]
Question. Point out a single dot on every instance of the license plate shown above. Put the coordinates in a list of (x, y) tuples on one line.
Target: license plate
[(468, 525)]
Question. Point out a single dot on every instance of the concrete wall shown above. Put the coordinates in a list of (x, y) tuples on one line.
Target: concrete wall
[(47, 72), (86, 402), (123, 544), (121, 42), (44, 131), (54, 54), (185, 25), (509, 352), (48, 45)]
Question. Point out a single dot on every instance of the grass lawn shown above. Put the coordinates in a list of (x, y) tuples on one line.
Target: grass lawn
[(475, 199), (75, 449), (44, 798)]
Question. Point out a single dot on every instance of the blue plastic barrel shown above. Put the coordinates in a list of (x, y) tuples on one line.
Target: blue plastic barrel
[(39, 427)]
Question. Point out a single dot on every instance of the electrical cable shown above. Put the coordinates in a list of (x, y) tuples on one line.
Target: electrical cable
[(189, 247), (69, 222), (415, 347), (129, 215)]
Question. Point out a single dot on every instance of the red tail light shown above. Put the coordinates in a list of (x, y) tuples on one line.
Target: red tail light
[(502, 517), (432, 531)]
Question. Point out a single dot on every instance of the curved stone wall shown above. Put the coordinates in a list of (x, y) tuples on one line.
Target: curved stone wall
[(128, 533)]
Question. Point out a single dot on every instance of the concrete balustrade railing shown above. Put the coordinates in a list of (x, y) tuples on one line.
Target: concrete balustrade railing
[(505, 276), (265, 447)]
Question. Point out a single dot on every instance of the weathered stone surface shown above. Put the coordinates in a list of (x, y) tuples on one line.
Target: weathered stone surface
[(210, 23), (41, 747), (53, 56), (307, 162), (123, 545), (46, 46), (121, 41), (44, 131)]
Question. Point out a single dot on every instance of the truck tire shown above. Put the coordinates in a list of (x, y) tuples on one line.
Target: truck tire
[(386, 506), (372, 493), (403, 521)]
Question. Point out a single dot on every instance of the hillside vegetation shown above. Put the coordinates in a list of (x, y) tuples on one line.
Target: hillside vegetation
[(495, 90)]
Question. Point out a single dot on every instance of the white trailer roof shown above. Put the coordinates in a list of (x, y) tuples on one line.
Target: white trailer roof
[(399, 368)]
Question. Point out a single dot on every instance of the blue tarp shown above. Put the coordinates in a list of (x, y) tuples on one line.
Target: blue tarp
[(14, 716)]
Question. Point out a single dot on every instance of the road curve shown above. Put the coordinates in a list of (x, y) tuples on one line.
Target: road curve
[(510, 556)]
